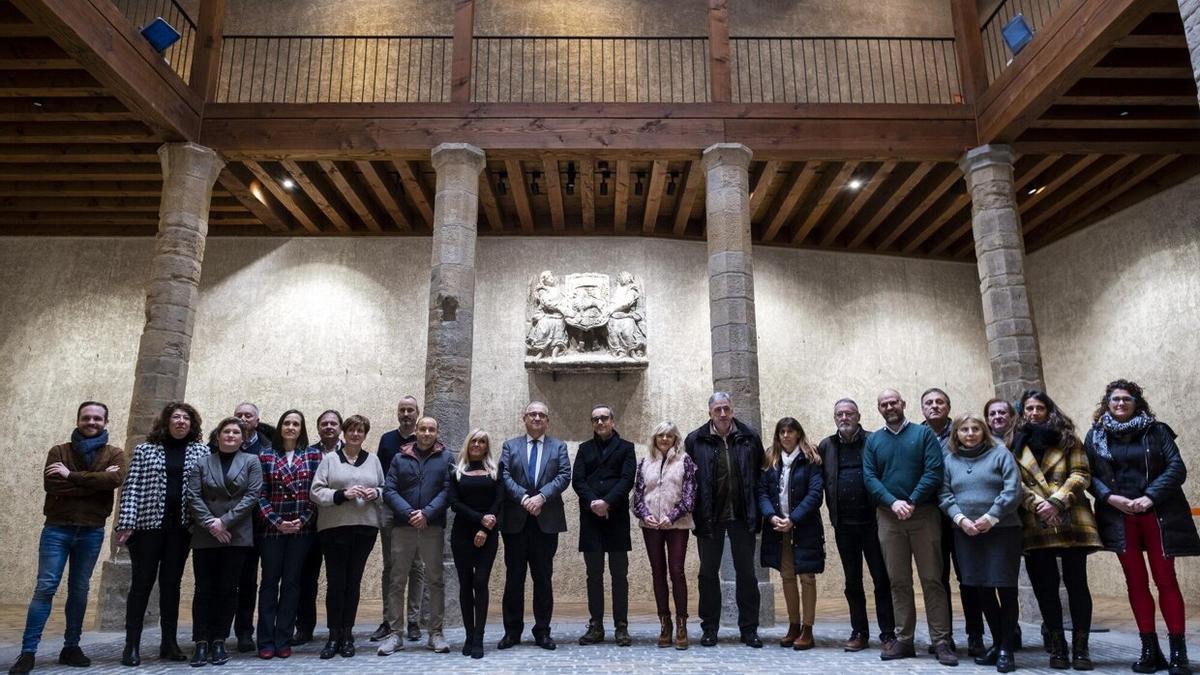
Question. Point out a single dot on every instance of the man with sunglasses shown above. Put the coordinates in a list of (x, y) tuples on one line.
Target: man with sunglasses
[(603, 475)]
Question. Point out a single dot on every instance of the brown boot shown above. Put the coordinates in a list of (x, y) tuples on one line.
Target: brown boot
[(664, 635), (792, 634), (681, 635), (804, 640)]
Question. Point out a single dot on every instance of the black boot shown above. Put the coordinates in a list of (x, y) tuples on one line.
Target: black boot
[(217, 654), (333, 645), (1151, 659), (477, 644), (1005, 663), (199, 655), (347, 640), (132, 654), (1080, 658), (169, 649), (1179, 660), (1059, 658)]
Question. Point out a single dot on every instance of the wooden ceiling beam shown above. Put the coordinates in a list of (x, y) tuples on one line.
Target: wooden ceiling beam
[(762, 184), (78, 132), (956, 235), (621, 196), (1072, 165), (82, 189), (82, 109), (895, 198), (692, 179), (520, 194), (828, 191), (796, 188), (1123, 92), (587, 194), (554, 192), (933, 192), (487, 200), (241, 184), (376, 179), (323, 201), (654, 195), (865, 193), (53, 171), (79, 152), (1106, 192), (1029, 175), (342, 176), (955, 204), (286, 198), (68, 83), (414, 187), (38, 53), (1066, 197)]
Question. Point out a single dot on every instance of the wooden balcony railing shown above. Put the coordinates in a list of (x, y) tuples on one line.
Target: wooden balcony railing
[(844, 70), (142, 12), (996, 53)]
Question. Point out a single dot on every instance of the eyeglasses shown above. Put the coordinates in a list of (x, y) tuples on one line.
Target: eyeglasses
[(601, 418)]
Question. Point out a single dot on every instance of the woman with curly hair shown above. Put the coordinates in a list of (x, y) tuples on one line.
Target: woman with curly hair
[(1137, 480), (153, 521), (1057, 522)]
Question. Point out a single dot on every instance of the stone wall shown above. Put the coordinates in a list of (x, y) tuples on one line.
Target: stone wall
[(1122, 299), (341, 323)]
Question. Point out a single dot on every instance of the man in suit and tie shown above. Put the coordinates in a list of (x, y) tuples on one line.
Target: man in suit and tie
[(535, 469)]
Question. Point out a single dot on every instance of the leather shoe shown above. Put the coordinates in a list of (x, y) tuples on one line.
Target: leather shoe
[(975, 646), (131, 655), (283, 652), (989, 657), (1005, 663), (857, 642), (245, 643), (216, 654), (895, 649), (200, 655), (708, 638), (23, 665), (507, 641), (74, 657), (751, 640), (266, 653), (545, 642)]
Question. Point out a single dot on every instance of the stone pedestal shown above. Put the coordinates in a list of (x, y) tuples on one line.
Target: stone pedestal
[(1190, 11), (160, 373), (731, 318)]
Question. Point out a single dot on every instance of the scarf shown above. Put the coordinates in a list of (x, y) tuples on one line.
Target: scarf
[(973, 451), (1042, 437), (86, 447), (1107, 424)]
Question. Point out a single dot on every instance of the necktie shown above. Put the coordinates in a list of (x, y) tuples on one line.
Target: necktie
[(533, 462)]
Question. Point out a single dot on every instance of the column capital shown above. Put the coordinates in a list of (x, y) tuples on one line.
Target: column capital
[(192, 159), (463, 154), (718, 155), (985, 155)]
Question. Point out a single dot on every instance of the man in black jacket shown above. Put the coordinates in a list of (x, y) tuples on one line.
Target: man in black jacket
[(602, 477), (728, 456), (855, 531)]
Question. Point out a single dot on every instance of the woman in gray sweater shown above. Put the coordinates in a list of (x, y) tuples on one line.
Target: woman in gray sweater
[(980, 493), (346, 488)]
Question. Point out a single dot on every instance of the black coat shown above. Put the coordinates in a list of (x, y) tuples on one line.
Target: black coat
[(604, 470), (703, 446), (1163, 484), (805, 486), (829, 449)]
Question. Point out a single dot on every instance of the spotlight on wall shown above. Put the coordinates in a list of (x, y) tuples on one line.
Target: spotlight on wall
[(502, 182), (160, 34), (1017, 34), (570, 178), (533, 183), (671, 182), (638, 188), (854, 184), (288, 184)]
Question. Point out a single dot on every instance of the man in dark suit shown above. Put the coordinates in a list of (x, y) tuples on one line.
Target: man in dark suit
[(603, 476), (535, 469)]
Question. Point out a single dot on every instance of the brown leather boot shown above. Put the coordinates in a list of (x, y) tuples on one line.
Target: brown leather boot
[(664, 635), (792, 634), (804, 640), (681, 634)]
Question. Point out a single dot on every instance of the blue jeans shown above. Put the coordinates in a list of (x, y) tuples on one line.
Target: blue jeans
[(59, 545)]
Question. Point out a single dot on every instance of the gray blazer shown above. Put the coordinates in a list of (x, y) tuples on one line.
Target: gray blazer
[(553, 478), (209, 497)]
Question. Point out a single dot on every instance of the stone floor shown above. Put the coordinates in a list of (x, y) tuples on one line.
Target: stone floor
[(1112, 650)]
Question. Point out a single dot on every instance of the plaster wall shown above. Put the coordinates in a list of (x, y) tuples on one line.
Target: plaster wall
[(1121, 299), (340, 323)]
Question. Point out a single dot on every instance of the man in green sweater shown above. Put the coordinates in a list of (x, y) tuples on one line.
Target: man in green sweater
[(902, 469)]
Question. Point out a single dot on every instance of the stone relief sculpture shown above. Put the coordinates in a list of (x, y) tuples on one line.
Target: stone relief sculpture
[(584, 323)]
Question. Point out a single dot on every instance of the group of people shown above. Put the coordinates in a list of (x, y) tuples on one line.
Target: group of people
[(976, 492)]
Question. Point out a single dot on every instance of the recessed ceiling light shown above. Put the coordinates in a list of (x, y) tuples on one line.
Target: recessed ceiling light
[(288, 183), (37, 104), (1124, 113), (1035, 190), (855, 184)]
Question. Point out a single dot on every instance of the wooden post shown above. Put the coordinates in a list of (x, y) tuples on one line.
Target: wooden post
[(206, 58), (460, 65), (968, 47), (718, 52)]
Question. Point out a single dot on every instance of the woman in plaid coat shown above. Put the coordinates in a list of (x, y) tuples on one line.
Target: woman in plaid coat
[(1057, 522), (284, 506)]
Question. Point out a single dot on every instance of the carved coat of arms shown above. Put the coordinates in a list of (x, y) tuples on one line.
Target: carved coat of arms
[(584, 320)]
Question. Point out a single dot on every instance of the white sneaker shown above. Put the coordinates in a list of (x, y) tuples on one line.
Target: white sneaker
[(437, 643), (391, 643)]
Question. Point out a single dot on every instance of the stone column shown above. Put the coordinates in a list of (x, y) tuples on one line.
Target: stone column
[(1007, 315), (452, 312), (161, 370), (1190, 11), (731, 317)]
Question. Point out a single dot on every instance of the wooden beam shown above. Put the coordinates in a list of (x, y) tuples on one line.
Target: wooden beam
[(79, 152), (654, 195), (101, 39), (348, 188), (1160, 41), (316, 194), (936, 189), (1127, 93), (621, 196), (1143, 63), (54, 171), (762, 183), (1068, 197), (460, 61), (948, 211), (554, 193), (1028, 175), (417, 193), (284, 196), (516, 184), (1066, 174), (260, 202), (964, 228), (895, 197), (587, 194), (78, 132), (37, 53), (14, 24), (30, 83), (82, 189), (828, 192), (796, 188), (968, 48), (487, 199), (865, 193), (720, 79), (206, 54), (83, 109), (1107, 192), (692, 178), (1119, 117), (1075, 38), (376, 180)]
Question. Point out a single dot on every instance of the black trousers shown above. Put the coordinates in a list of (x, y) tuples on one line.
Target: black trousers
[(279, 593), (243, 624), (474, 567), (618, 571), (156, 555), (856, 543), (532, 550), (1042, 566), (346, 551), (1001, 610), (972, 612), (215, 600), (310, 580), (741, 548)]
